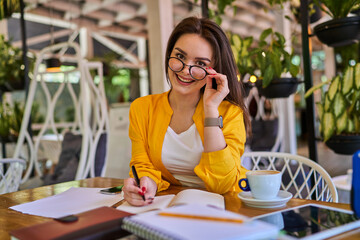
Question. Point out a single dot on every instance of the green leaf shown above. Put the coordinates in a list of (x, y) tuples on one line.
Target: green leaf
[(320, 110), (314, 88), (235, 51), (327, 103), (341, 123), (268, 76), (348, 81), (339, 104), (265, 34), (350, 126), (334, 87), (218, 20), (281, 39), (294, 70), (328, 125), (276, 62), (247, 42), (236, 41)]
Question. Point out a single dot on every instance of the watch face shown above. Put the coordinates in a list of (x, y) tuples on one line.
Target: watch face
[(221, 121)]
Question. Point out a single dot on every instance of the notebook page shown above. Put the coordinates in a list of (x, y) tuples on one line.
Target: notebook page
[(200, 197), (159, 202)]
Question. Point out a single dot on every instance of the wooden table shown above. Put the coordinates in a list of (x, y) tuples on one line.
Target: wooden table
[(10, 219)]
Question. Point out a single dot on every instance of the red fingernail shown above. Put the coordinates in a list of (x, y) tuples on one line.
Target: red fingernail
[(143, 189), (210, 67), (141, 193)]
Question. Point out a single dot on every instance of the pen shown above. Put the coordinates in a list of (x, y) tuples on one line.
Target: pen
[(115, 205), (182, 215), (136, 178)]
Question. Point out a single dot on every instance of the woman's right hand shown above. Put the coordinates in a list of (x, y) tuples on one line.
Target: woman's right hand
[(133, 193)]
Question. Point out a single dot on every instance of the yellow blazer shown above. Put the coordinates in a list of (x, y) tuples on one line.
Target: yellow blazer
[(220, 170)]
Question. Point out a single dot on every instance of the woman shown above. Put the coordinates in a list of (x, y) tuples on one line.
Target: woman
[(176, 136)]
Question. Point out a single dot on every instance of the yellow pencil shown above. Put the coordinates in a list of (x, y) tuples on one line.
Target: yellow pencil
[(181, 215)]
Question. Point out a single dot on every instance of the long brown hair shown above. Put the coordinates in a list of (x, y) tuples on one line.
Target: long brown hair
[(224, 59)]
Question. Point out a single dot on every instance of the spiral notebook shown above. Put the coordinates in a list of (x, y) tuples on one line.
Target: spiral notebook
[(151, 225)]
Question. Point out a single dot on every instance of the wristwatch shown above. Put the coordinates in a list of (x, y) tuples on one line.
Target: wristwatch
[(214, 122)]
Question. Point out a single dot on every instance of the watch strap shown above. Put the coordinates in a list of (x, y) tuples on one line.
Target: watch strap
[(213, 122)]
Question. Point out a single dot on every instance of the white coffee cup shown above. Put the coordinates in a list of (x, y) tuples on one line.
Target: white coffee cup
[(263, 184)]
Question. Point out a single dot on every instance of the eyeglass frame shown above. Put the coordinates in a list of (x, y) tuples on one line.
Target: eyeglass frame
[(190, 66)]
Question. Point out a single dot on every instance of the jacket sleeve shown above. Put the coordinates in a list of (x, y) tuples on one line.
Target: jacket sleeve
[(221, 170), (138, 131)]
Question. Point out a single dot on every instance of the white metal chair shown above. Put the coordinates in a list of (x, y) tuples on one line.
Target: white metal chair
[(10, 174), (302, 177), (90, 107)]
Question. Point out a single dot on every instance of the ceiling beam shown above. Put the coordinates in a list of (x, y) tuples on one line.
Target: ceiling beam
[(43, 19), (44, 37), (115, 47)]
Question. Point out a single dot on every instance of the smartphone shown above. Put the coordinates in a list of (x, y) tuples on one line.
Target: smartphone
[(113, 190)]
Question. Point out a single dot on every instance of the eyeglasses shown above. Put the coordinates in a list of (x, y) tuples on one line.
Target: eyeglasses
[(196, 72)]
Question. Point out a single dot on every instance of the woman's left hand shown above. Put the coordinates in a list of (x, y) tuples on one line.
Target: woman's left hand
[(213, 97)]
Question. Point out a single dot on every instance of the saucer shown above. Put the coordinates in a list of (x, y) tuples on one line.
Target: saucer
[(280, 201)]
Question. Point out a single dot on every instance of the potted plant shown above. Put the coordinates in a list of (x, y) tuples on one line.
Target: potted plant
[(268, 61), (339, 111), (272, 61), (341, 30), (11, 66)]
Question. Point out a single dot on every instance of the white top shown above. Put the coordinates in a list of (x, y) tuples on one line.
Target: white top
[(181, 153)]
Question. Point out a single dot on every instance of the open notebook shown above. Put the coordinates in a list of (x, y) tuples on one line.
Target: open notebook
[(151, 225), (184, 197)]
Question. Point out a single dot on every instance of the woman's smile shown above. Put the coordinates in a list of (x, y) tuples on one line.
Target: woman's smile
[(184, 81)]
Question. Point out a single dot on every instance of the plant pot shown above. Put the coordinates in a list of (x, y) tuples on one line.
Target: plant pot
[(344, 144), (278, 88), (339, 32)]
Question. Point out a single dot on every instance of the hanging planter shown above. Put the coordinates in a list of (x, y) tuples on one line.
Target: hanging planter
[(344, 144), (278, 88), (339, 32)]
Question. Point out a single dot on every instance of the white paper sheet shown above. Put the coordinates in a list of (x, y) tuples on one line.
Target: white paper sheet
[(72, 201)]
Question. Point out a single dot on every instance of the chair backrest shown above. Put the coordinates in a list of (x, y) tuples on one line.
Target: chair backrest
[(90, 112), (10, 174), (301, 176)]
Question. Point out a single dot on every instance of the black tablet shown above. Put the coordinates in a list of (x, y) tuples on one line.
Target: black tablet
[(312, 221)]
